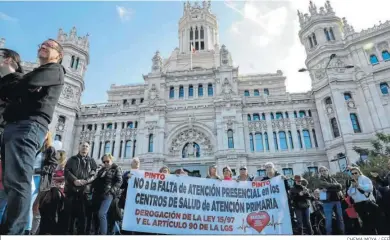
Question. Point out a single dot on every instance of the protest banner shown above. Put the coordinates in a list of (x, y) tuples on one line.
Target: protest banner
[(170, 204)]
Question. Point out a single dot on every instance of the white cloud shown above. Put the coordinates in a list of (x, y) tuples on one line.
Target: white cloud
[(124, 13), (5, 17), (265, 38)]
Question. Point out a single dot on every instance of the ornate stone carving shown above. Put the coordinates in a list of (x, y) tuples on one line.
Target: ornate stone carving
[(157, 62), (257, 126), (67, 92), (107, 134), (225, 56), (305, 122), (153, 95), (383, 46), (87, 136), (128, 133), (227, 90), (151, 126), (281, 124), (191, 136), (319, 74), (350, 104)]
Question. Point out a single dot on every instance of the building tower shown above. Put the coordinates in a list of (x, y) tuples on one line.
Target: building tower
[(198, 27), (338, 97), (75, 61)]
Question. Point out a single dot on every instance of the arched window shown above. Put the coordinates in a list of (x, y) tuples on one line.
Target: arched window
[(266, 91), (259, 142), (266, 141), (129, 124), (262, 116), (62, 119), (230, 138), (200, 90), (251, 144), (335, 128), (295, 114), (290, 139), (328, 100), (331, 34), (190, 91), (210, 89), (327, 34), (181, 92), (171, 92), (309, 112), (374, 59), (134, 148), (127, 149), (113, 148), (314, 39), (307, 139), (272, 115), (77, 63), (109, 125), (249, 118), (347, 96), (299, 139), (276, 141), (283, 140), (385, 55), (286, 114), (256, 92), (107, 147), (256, 117), (136, 124), (201, 33), (310, 42), (279, 115), (72, 62), (191, 34), (384, 88), (120, 148), (246, 93), (355, 123), (302, 114), (315, 138), (196, 34), (150, 143)]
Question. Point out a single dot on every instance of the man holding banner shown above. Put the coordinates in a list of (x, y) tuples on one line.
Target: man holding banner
[(159, 203)]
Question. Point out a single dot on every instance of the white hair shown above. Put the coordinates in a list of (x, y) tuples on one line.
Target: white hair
[(271, 164)]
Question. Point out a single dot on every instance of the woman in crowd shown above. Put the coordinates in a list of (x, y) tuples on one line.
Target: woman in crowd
[(361, 192), (165, 170), (47, 199), (227, 173), (300, 198), (106, 187), (244, 176), (212, 173)]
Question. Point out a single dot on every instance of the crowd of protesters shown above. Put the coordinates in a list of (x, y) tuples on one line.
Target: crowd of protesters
[(77, 195)]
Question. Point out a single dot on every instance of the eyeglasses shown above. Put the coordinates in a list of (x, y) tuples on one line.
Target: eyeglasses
[(243, 169), (49, 45)]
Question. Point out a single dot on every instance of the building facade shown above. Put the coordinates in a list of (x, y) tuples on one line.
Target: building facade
[(195, 109)]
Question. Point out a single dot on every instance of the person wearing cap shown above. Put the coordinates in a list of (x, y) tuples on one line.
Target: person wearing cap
[(227, 173), (300, 199), (244, 176), (213, 173)]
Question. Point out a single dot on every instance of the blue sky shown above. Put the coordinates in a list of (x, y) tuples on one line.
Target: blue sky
[(120, 49), (262, 35)]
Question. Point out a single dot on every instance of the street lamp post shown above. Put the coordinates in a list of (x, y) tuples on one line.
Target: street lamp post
[(332, 56)]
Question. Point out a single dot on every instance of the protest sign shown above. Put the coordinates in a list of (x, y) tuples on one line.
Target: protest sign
[(170, 204)]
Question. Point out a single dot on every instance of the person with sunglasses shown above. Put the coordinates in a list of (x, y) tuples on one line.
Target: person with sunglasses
[(106, 188), (27, 122), (361, 191)]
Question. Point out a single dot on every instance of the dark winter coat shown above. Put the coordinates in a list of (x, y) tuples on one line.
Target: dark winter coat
[(333, 189), (79, 168), (300, 202), (108, 181), (49, 165)]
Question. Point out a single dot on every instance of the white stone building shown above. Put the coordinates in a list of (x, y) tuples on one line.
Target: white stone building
[(195, 110)]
